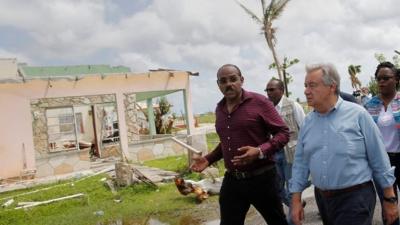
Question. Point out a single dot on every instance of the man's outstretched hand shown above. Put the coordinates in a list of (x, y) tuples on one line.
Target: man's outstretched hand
[(199, 164)]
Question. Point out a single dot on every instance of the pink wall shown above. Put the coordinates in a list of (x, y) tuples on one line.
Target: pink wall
[(15, 131)]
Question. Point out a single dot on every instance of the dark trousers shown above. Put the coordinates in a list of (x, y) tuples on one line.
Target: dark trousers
[(261, 191), (354, 207), (284, 170), (394, 161)]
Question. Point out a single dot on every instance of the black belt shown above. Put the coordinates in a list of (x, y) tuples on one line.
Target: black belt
[(332, 193), (393, 154), (248, 174)]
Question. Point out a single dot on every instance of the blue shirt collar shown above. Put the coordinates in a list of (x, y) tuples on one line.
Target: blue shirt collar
[(336, 106)]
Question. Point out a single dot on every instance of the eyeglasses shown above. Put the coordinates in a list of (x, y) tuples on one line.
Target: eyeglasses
[(385, 78), (269, 89), (225, 80)]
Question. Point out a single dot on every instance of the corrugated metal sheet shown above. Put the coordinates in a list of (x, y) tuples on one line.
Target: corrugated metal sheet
[(40, 71), (75, 72), (27, 73)]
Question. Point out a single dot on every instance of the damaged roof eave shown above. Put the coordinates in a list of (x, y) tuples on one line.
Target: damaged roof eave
[(74, 77)]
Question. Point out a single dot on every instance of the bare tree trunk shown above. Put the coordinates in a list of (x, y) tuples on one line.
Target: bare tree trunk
[(275, 57), (278, 65)]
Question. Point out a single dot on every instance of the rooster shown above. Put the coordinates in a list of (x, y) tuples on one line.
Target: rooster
[(186, 188), (183, 188)]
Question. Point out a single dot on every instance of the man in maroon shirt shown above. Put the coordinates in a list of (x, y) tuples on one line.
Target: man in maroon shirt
[(250, 132)]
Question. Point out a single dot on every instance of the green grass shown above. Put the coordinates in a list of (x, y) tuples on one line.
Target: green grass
[(207, 118), (212, 141), (177, 164), (138, 203), (173, 163)]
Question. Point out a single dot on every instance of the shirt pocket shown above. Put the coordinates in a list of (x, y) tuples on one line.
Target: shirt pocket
[(352, 142)]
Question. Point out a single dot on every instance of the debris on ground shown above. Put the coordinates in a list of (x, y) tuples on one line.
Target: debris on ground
[(110, 184), (99, 213), (139, 175), (128, 174), (24, 205), (123, 174), (8, 203), (133, 174)]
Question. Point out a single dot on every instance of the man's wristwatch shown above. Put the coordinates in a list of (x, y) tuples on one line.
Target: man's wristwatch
[(260, 153), (390, 199)]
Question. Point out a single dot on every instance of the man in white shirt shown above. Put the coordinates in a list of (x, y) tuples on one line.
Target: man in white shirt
[(293, 115)]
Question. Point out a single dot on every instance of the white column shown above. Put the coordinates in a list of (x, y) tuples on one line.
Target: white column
[(187, 97), (150, 116), (123, 132)]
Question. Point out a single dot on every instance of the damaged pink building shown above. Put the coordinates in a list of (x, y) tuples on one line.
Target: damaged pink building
[(55, 119)]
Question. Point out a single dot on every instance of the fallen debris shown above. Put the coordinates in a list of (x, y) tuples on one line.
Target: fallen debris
[(58, 185), (99, 213), (139, 175), (8, 203), (111, 185), (25, 205), (124, 174)]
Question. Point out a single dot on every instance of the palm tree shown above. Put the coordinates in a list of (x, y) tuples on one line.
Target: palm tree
[(353, 71), (270, 13), (287, 78)]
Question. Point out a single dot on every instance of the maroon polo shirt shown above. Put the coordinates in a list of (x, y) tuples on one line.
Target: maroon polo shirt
[(253, 122)]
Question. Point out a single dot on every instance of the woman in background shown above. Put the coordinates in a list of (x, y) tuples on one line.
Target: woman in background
[(385, 110)]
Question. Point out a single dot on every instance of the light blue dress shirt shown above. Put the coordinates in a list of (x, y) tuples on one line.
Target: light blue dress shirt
[(340, 149)]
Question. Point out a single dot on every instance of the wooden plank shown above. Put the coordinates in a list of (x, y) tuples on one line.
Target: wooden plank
[(50, 201)]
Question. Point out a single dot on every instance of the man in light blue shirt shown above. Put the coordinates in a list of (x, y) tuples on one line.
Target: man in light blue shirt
[(341, 147)]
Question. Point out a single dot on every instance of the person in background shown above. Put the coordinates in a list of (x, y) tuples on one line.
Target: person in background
[(385, 110), (250, 132), (293, 115), (365, 95), (341, 147), (347, 97)]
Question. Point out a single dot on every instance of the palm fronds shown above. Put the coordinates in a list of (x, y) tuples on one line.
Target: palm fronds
[(250, 13)]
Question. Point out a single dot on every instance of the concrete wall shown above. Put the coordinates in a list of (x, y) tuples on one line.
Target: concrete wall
[(161, 147), (61, 163), (16, 135), (9, 68), (154, 149)]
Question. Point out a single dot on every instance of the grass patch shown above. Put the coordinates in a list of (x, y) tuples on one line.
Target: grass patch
[(212, 141), (138, 203), (173, 163), (179, 164), (207, 118)]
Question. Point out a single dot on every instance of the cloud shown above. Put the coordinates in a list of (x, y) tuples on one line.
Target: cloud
[(19, 56), (200, 35), (137, 62)]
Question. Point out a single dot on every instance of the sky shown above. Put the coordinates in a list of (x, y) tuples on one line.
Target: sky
[(201, 36)]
